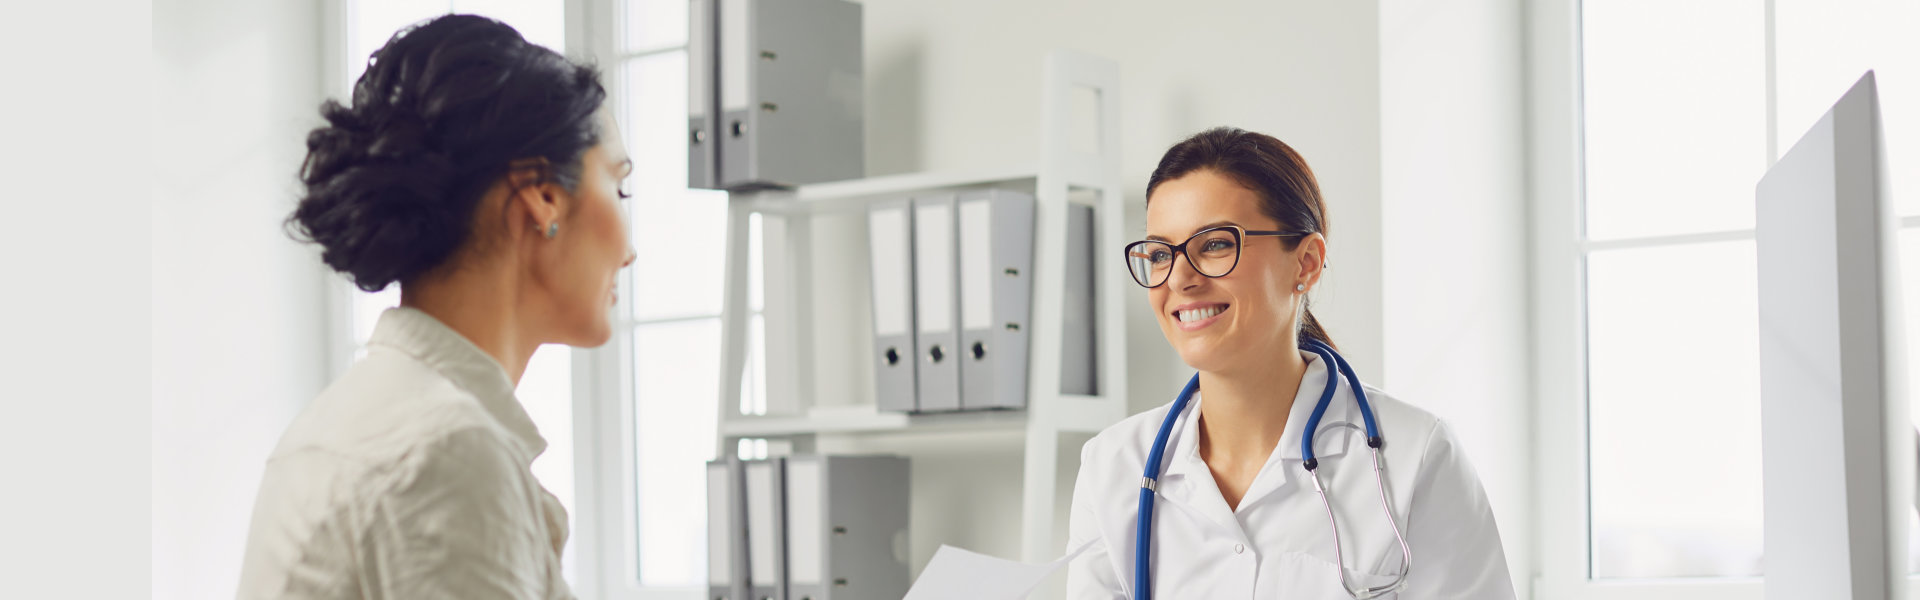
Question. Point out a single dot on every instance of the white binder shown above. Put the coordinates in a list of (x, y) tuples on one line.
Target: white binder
[(847, 528), (726, 533), (936, 298), (996, 297), (890, 251), (766, 529)]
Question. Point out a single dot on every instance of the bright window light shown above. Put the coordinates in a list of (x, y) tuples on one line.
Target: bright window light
[(677, 377), (1676, 117), (1673, 371)]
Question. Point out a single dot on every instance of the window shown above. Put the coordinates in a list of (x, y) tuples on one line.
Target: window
[(546, 388), (1680, 108), (1676, 112), (672, 323)]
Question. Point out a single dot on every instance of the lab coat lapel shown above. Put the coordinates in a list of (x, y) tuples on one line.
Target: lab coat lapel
[(1187, 484), (1283, 465)]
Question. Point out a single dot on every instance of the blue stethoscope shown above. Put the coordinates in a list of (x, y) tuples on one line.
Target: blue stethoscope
[(1149, 482)]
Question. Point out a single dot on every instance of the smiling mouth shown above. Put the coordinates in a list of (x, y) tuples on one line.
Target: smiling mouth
[(1199, 314)]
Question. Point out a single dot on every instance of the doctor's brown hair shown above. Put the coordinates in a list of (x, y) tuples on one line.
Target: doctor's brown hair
[(1273, 170)]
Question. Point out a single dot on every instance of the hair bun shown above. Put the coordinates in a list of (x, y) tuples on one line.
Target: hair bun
[(392, 182), (378, 201), (402, 136)]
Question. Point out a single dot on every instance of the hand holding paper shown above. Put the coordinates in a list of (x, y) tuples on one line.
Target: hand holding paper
[(956, 574)]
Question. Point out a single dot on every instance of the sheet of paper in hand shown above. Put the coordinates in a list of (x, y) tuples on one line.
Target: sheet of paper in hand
[(956, 574)]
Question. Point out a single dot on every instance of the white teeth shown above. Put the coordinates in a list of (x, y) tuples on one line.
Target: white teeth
[(1200, 314)]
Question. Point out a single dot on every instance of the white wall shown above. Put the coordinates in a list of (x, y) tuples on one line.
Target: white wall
[(237, 345), (1456, 237)]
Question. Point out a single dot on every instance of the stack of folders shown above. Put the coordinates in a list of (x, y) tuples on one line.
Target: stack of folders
[(953, 294), (808, 527)]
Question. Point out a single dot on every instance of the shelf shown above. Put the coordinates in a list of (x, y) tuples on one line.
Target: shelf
[(854, 195), (1064, 175), (866, 419)]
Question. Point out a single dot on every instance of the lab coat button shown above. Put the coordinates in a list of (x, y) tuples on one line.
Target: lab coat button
[(1239, 548)]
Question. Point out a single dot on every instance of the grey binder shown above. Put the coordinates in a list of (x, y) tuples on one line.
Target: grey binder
[(996, 297), (1079, 338), (890, 251), (766, 528), (936, 298), (847, 527), (726, 530), (791, 93), (702, 73)]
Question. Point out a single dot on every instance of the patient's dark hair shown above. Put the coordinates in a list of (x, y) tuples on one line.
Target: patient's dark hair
[(392, 182), (1273, 170)]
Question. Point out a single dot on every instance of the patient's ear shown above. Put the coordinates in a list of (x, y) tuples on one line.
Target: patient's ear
[(534, 196)]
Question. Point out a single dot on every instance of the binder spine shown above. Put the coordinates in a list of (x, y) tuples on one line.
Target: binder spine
[(996, 257), (890, 254), (936, 267)]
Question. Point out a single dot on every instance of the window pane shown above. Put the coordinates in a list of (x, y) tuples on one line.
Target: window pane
[(756, 263), (1676, 118), (753, 382), (680, 238), (371, 22), (1823, 46), (676, 381), (657, 114), (679, 233), (655, 23), (1674, 411), (546, 391), (542, 22)]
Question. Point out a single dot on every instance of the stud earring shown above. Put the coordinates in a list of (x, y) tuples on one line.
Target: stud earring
[(553, 229), (1299, 287)]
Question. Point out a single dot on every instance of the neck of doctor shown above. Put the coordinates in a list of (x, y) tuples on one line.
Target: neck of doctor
[(1243, 412), (481, 304)]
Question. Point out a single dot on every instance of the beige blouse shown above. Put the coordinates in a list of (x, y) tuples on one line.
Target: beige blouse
[(409, 477)]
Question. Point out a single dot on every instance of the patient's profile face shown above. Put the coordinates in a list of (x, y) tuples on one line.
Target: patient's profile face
[(581, 265)]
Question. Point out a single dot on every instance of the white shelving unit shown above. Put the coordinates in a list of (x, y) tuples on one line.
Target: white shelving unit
[(1079, 163)]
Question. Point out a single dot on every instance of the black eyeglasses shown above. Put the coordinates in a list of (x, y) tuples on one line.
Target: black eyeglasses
[(1213, 252)]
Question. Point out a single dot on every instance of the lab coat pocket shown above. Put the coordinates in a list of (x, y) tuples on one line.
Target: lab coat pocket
[(1306, 577)]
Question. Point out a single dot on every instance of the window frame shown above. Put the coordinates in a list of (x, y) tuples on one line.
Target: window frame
[(1556, 137), (605, 393)]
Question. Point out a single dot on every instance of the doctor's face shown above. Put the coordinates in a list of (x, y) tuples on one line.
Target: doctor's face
[(1236, 321)]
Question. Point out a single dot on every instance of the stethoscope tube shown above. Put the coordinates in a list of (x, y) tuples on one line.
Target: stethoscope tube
[(1337, 368), (1143, 537)]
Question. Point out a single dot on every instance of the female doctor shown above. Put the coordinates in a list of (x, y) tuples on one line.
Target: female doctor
[(1235, 241)]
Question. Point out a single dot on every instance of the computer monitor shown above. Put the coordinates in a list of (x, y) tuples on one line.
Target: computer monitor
[(1837, 443)]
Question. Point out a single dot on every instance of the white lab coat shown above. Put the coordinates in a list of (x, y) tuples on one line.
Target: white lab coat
[(1277, 543)]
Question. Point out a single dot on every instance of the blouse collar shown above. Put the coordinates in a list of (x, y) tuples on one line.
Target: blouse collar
[(420, 335)]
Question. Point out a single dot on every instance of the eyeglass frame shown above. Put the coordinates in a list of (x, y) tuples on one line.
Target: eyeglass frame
[(1240, 235)]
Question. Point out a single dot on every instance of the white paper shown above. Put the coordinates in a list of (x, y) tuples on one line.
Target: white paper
[(956, 574)]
